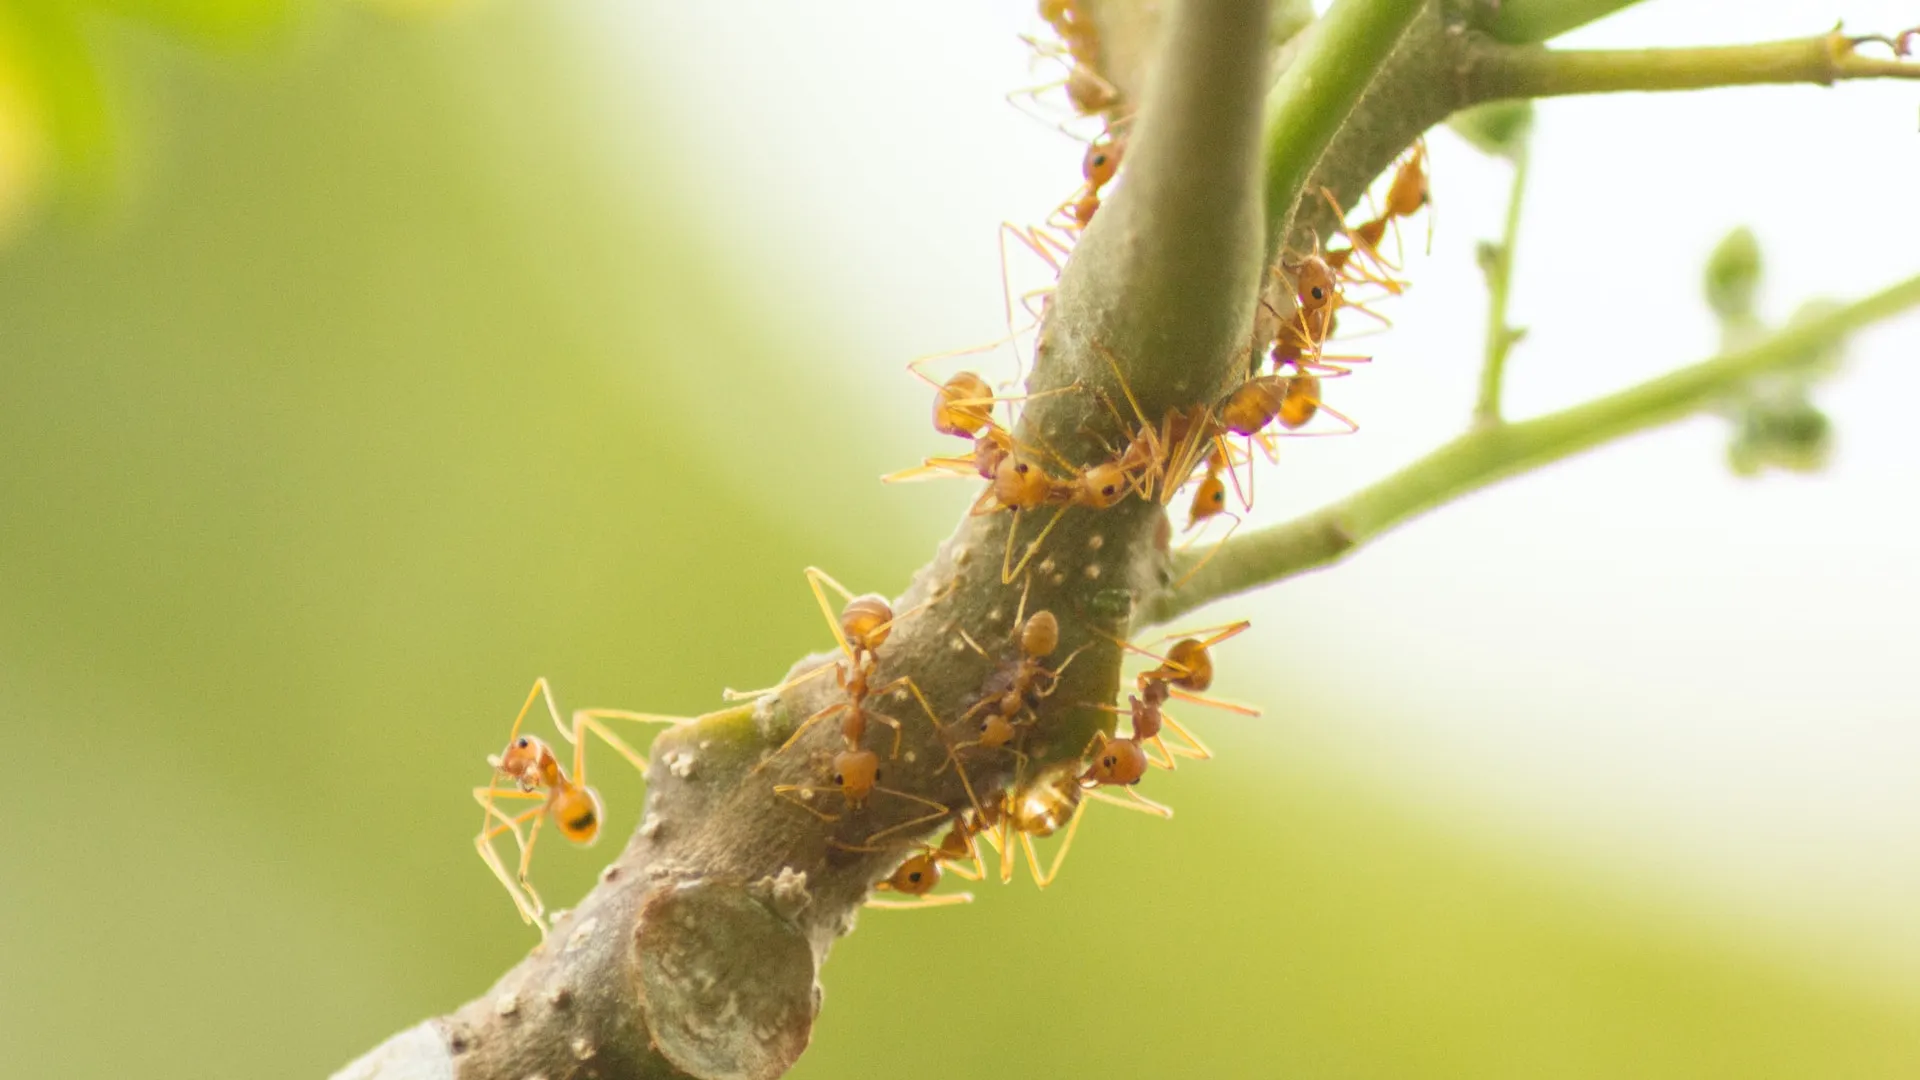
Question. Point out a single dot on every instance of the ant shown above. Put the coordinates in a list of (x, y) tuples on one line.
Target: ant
[(1186, 669), (563, 795), (861, 628), (917, 876), (1122, 762), (1097, 168), (1410, 190), (1019, 683), (1054, 801), (856, 778)]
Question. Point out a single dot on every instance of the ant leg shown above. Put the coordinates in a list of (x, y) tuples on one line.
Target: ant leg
[(540, 689), (832, 710), (1215, 550), (786, 791), (1059, 853), (931, 469), (731, 694), (1133, 801), (1033, 547), (585, 720), (908, 826), (815, 576), (890, 722), (1194, 748), (939, 729), (1209, 635), (1166, 759), (1352, 425), (526, 863), (930, 901), (483, 843), (1214, 703)]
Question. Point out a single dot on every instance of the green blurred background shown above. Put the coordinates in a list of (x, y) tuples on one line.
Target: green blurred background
[(348, 381)]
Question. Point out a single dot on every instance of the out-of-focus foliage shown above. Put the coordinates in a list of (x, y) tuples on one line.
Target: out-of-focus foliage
[(386, 396), (61, 95)]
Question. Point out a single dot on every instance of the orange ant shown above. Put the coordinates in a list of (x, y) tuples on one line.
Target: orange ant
[(563, 795), (1019, 684), (1186, 669), (1053, 802), (1410, 190), (1097, 168), (1122, 762), (1209, 502), (917, 876), (856, 778), (1363, 240), (861, 628)]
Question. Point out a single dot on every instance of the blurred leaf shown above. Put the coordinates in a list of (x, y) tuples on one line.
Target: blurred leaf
[(1733, 275), (1497, 129)]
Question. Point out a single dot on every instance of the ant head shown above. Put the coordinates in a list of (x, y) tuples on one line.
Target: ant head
[(1103, 485), (522, 760), (576, 809), (1119, 761), (1040, 636), (917, 876), (867, 620), (1102, 161), (1208, 499), (1314, 283), (963, 405), (1194, 663), (995, 731), (1018, 484), (856, 772)]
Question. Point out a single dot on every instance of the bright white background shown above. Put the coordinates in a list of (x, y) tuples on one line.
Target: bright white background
[(1635, 663)]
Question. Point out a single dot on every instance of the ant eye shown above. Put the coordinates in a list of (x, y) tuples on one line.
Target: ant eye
[(876, 774), (1108, 490), (838, 779), (1100, 159), (522, 742), (1319, 293)]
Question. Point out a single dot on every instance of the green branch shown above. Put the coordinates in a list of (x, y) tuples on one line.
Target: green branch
[(1318, 90), (1496, 72), (1497, 261), (1480, 458)]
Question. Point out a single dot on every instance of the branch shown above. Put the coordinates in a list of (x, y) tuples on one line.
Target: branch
[(1498, 71), (1482, 457), (697, 954), (1497, 261)]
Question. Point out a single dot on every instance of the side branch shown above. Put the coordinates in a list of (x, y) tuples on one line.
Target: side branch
[(1496, 72), (1482, 457)]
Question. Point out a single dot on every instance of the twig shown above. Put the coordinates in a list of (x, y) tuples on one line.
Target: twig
[(1498, 262), (1496, 71), (1482, 457)]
